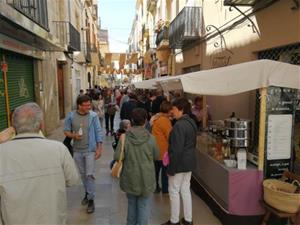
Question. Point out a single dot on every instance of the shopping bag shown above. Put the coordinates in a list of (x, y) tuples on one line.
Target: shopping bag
[(118, 165), (117, 169), (165, 159)]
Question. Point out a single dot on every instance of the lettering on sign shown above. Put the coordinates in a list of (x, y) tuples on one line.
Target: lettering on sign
[(23, 88)]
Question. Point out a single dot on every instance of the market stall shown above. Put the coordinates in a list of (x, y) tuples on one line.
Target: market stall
[(263, 95)]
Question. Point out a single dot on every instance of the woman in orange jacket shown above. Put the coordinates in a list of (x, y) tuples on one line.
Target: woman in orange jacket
[(161, 128)]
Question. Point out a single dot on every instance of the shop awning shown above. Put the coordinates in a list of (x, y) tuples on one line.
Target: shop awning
[(79, 57), (149, 84), (233, 79), (61, 57)]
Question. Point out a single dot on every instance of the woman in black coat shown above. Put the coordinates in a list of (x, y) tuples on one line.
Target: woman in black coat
[(182, 156)]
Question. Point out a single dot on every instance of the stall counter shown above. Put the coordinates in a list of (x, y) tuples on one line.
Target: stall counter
[(238, 192)]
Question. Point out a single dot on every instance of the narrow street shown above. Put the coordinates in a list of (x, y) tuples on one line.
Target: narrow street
[(216, 82), (111, 202)]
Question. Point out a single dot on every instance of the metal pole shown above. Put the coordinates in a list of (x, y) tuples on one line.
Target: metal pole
[(4, 68)]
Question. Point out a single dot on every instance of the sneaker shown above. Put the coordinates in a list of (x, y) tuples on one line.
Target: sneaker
[(91, 207), (157, 190), (184, 222), (85, 200), (170, 223)]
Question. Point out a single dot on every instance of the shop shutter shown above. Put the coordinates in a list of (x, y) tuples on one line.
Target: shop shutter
[(3, 121), (20, 82)]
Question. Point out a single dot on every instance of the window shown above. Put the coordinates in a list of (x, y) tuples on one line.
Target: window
[(36, 10)]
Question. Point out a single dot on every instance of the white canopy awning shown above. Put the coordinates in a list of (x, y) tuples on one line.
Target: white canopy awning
[(233, 79), (149, 84)]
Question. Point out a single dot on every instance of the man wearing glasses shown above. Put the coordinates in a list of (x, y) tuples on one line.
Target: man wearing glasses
[(83, 126)]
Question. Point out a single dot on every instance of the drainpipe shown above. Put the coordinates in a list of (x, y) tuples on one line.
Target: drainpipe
[(69, 10)]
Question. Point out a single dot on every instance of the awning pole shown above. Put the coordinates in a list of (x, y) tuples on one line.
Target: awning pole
[(4, 68), (262, 128)]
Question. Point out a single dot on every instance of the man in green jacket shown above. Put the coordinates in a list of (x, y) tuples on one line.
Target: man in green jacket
[(138, 174)]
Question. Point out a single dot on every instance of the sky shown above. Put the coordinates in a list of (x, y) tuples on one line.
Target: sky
[(117, 16)]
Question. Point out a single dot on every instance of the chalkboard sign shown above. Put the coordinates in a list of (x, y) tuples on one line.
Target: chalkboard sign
[(280, 114), (275, 168)]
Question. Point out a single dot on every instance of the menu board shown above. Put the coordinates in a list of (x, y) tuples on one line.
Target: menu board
[(279, 130), (279, 136)]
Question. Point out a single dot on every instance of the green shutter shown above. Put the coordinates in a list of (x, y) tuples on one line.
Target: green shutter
[(20, 83), (3, 121)]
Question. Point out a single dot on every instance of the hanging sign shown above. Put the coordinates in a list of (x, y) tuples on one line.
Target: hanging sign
[(4, 67)]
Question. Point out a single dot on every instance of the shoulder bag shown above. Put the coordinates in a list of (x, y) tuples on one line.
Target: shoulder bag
[(118, 165)]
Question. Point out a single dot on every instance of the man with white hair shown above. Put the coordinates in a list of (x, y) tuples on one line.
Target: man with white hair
[(34, 173)]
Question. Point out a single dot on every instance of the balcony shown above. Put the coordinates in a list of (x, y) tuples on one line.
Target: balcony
[(186, 27), (67, 35), (162, 39), (89, 50), (151, 5), (36, 10)]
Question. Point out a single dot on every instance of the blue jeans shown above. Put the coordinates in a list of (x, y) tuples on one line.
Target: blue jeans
[(138, 210), (86, 165)]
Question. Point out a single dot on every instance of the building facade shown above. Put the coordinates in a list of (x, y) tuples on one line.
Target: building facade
[(41, 51), (193, 35)]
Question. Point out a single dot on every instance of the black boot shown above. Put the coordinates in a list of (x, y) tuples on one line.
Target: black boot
[(85, 199), (170, 223), (184, 222), (157, 190), (91, 207)]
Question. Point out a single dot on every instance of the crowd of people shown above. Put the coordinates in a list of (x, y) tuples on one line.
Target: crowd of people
[(154, 129), (160, 128)]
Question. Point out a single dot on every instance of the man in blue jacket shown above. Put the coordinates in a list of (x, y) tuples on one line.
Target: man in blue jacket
[(83, 126)]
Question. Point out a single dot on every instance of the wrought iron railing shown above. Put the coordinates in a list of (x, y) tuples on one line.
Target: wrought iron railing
[(67, 35), (36, 10), (186, 27), (163, 34), (74, 43)]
